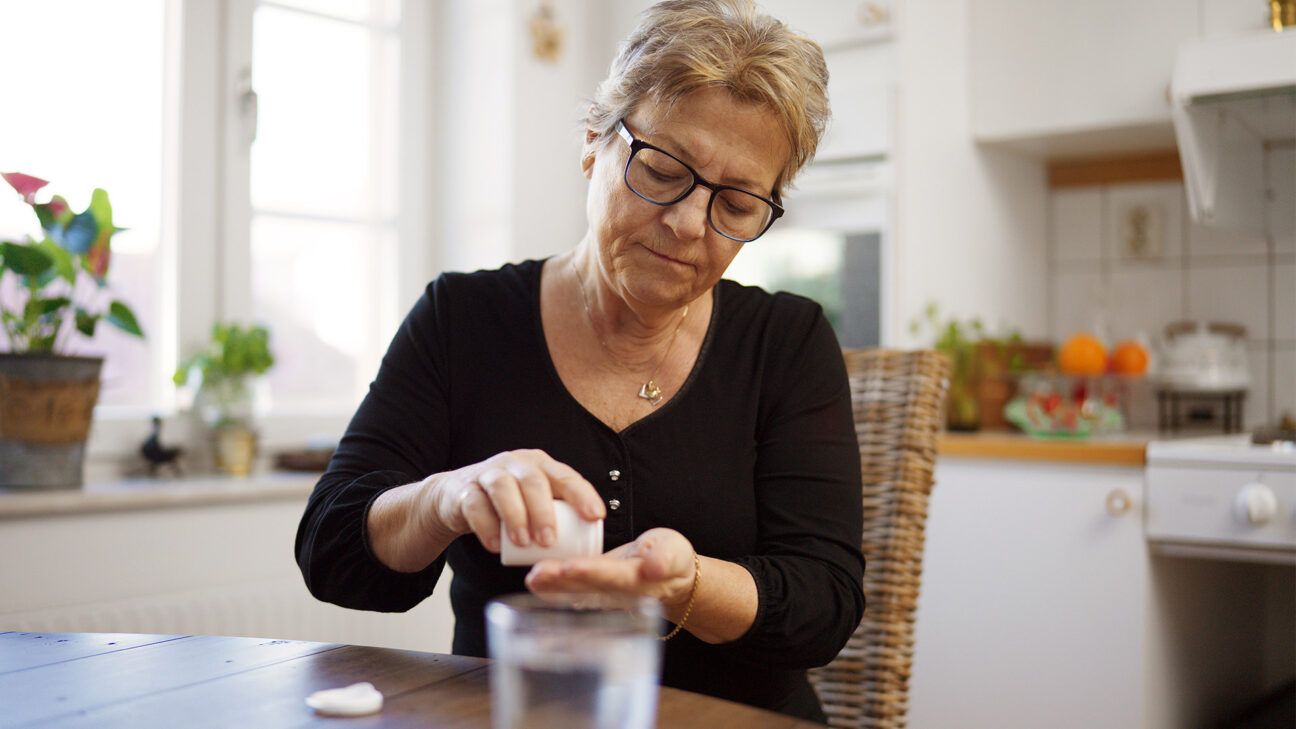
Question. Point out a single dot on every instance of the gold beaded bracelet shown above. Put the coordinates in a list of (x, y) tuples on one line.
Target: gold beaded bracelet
[(688, 609)]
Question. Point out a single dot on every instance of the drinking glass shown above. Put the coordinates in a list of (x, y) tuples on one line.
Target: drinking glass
[(573, 661)]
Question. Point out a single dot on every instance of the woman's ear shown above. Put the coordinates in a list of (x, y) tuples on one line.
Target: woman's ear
[(588, 151)]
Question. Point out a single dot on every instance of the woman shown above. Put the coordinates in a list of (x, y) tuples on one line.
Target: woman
[(709, 423)]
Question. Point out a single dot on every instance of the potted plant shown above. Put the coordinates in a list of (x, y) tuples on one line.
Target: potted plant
[(983, 368), (53, 289), (223, 400)]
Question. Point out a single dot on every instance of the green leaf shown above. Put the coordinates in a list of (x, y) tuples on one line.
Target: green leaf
[(25, 260), (85, 322), (43, 344), (49, 306), (64, 266), (101, 209), (120, 316)]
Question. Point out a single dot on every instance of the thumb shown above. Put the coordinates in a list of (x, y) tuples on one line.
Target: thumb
[(656, 563)]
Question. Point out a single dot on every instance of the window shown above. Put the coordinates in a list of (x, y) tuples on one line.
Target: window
[(322, 189), (83, 90)]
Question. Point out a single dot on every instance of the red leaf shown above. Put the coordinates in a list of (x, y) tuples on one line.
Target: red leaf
[(26, 185)]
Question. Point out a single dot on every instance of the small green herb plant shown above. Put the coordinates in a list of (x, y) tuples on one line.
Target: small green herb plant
[(959, 340), (222, 371), (62, 278)]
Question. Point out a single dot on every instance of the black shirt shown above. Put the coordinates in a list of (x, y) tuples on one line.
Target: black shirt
[(754, 460)]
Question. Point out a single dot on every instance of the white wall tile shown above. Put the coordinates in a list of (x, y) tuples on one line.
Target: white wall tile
[(1256, 410), (1284, 390), (1285, 302), (1204, 241), (1281, 208), (1162, 207), (1075, 222), (1237, 294), (1077, 303), (1144, 300)]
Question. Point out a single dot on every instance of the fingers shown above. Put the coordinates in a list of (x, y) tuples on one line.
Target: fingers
[(505, 495), (568, 485), (537, 501), (480, 514), (515, 491), (594, 574)]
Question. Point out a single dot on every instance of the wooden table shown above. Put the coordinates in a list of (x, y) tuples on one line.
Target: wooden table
[(106, 680)]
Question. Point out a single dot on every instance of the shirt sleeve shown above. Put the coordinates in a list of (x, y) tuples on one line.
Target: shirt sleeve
[(399, 435), (808, 566)]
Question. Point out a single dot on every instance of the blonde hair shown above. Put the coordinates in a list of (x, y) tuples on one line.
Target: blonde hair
[(680, 46)]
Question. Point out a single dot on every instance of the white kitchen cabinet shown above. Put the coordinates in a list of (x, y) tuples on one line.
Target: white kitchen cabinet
[(1042, 606), (1054, 73), (1033, 597)]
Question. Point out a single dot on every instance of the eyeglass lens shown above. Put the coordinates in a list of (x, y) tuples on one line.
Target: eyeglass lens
[(664, 180)]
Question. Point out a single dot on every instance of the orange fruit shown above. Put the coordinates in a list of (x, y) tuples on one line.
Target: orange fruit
[(1082, 354), (1129, 358)]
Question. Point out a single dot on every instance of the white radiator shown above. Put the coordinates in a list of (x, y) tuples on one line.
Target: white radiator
[(274, 609)]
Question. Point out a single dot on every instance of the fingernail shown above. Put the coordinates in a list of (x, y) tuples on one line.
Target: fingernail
[(492, 544), (548, 536), (521, 537)]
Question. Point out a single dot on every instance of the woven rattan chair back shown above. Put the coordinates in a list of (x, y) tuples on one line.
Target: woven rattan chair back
[(897, 398)]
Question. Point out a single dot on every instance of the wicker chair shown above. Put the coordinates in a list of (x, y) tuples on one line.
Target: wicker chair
[(897, 398)]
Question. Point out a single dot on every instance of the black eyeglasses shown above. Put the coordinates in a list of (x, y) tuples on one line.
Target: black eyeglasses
[(662, 179)]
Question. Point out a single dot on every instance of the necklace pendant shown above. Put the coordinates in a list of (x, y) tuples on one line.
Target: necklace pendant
[(651, 392)]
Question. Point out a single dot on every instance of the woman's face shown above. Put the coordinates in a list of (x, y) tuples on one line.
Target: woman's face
[(665, 257)]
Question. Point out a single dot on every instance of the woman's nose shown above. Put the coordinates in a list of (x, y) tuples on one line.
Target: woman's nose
[(687, 218)]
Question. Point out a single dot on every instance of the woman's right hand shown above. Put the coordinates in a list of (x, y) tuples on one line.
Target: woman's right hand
[(514, 490)]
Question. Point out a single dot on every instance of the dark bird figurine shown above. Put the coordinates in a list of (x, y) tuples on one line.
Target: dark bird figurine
[(157, 454)]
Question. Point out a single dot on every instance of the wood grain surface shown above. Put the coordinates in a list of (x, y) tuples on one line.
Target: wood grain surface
[(110, 681)]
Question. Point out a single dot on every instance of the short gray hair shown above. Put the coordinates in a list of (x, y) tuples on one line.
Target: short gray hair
[(680, 46)]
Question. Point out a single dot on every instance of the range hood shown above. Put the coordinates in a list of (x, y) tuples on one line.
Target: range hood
[(1232, 100)]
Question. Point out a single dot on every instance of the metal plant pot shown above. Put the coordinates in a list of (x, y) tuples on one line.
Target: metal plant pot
[(46, 407)]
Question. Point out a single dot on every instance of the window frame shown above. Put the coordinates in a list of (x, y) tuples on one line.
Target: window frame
[(206, 210)]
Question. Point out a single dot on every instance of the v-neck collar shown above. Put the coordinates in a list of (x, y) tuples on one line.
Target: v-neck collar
[(658, 412)]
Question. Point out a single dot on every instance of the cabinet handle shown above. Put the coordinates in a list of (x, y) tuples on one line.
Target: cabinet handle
[(1118, 502)]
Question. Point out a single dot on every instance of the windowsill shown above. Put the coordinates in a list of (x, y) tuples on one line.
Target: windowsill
[(140, 494)]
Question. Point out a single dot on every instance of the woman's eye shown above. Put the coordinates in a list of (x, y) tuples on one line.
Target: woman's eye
[(663, 176), (738, 209)]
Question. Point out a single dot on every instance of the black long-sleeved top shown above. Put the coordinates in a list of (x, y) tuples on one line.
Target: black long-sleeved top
[(754, 460)]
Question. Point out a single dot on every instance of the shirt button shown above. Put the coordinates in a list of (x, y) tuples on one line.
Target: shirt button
[(614, 474), (614, 504)]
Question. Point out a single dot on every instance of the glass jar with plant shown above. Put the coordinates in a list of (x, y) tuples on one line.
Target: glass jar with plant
[(222, 375), (53, 290)]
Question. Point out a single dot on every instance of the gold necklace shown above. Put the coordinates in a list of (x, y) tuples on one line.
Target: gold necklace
[(649, 390)]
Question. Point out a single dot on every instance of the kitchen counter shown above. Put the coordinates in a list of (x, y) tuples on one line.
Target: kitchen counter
[(1120, 449), (142, 493)]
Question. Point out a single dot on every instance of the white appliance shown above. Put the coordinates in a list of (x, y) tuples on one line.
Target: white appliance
[(1230, 99), (1222, 497)]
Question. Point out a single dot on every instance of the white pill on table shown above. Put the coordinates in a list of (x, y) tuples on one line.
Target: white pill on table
[(358, 699)]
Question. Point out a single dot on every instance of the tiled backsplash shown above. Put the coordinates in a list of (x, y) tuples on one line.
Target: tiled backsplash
[(1101, 281)]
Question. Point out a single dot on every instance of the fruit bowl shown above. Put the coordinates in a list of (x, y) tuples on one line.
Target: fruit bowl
[(1063, 406)]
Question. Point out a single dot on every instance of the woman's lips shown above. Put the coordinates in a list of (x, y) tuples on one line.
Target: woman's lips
[(666, 257)]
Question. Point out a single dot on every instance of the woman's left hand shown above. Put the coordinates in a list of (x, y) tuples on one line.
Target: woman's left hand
[(658, 564)]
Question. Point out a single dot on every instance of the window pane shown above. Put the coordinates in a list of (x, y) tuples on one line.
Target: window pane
[(379, 11), (315, 284), (83, 93), (314, 151), (839, 271)]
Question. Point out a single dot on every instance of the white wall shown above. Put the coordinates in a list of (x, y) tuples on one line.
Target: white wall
[(970, 227), (507, 151)]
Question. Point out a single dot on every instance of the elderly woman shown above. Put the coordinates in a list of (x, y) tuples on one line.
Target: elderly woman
[(708, 422)]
